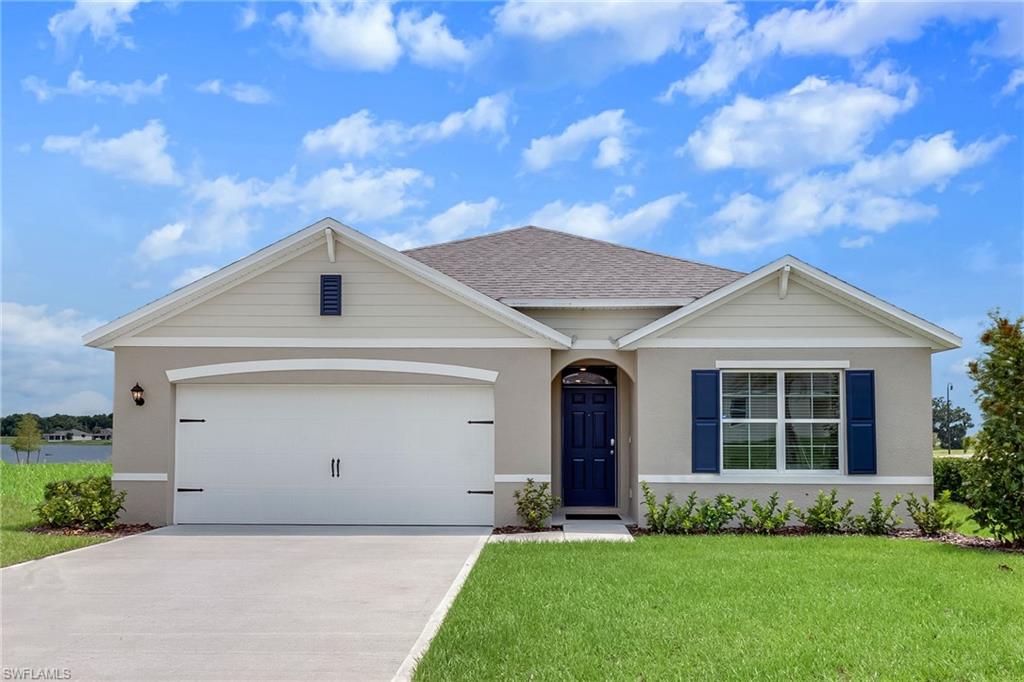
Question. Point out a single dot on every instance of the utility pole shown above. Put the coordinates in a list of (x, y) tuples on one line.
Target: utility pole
[(949, 441)]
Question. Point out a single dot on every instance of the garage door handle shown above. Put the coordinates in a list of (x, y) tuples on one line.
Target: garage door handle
[(480, 421), (479, 492), (190, 490)]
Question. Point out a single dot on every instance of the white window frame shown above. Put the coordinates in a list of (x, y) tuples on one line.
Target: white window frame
[(780, 422)]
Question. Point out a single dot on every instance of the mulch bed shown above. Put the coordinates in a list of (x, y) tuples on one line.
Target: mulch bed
[(515, 530), (119, 531), (968, 541)]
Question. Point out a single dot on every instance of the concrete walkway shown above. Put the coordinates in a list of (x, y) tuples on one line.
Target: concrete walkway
[(233, 603), (608, 531)]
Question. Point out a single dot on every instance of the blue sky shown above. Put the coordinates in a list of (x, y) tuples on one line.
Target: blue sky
[(146, 143)]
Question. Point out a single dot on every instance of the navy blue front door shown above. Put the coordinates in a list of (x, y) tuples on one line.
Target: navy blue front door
[(588, 446)]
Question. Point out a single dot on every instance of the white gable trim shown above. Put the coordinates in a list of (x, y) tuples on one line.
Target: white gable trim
[(937, 337), (330, 364), (314, 236), (596, 303), (321, 342)]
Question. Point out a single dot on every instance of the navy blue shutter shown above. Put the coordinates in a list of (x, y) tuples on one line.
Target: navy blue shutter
[(330, 294), (861, 454), (705, 402)]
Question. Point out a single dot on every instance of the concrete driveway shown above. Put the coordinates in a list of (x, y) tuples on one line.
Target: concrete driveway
[(233, 603)]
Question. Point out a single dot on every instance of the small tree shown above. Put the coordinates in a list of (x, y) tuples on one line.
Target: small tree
[(994, 482), (950, 424), (27, 438)]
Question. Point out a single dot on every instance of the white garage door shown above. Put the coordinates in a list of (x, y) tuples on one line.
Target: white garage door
[(334, 454)]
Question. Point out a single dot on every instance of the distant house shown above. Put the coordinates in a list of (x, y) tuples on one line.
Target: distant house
[(70, 434), (103, 434)]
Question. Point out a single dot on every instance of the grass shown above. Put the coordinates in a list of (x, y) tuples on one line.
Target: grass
[(21, 489), (735, 608), (7, 440), (941, 452), (961, 513)]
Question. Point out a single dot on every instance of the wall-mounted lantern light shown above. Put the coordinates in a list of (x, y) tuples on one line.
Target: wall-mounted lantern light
[(137, 394)]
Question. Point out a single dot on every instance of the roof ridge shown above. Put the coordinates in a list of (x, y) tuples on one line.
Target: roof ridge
[(563, 233)]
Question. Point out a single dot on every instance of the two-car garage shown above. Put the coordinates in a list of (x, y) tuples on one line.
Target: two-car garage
[(334, 454)]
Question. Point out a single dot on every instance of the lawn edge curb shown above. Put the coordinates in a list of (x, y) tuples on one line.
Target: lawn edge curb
[(419, 647)]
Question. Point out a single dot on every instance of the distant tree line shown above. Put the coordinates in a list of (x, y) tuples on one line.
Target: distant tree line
[(59, 422)]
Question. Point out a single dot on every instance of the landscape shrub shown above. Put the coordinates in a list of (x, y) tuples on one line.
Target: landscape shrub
[(826, 515), (766, 518), (87, 504), (535, 504), (949, 475), (682, 518), (880, 519), (931, 517), (994, 481), (715, 515), (657, 513)]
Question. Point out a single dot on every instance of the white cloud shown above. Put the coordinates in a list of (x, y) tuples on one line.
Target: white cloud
[(102, 19), (360, 134), (856, 242), (628, 33), (363, 195), (190, 275), (1013, 83), (46, 368), (225, 210), (79, 85), (462, 218), (874, 194), (817, 122), (846, 29), (139, 155), (598, 220), (246, 93), (358, 35), (609, 127), (624, 191), (247, 18), (429, 41)]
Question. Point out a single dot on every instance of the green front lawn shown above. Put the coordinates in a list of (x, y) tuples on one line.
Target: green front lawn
[(961, 515), (737, 608), (21, 489)]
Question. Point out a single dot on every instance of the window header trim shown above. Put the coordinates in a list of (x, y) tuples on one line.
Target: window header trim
[(782, 364)]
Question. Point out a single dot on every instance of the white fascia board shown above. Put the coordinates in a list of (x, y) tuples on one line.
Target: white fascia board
[(782, 364), (454, 288), (940, 338), (315, 342), (596, 303), (799, 342), (102, 337)]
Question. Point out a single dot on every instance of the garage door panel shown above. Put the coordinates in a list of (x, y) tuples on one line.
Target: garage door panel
[(263, 454)]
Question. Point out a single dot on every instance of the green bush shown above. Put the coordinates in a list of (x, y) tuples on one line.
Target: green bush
[(767, 518), (535, 504), (826, 515), (930, 517), (682, 518), (713, 516), (89, 504), (949, 475), (880, 519), (994, 481), (657, 513)]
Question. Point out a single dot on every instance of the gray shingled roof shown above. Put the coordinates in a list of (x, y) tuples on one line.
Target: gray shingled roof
[(534, 262)]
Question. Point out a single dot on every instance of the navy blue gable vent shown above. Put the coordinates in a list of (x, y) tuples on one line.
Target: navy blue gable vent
[(705, 425), (861, 454), (330, 294)]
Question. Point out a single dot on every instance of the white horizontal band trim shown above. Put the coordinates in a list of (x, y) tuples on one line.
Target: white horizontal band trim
[(327, 364), (138, 477), (593, 303), (594, 344), (782, 364), (521, 478), (848, 342), (298, 342), (789, 479)]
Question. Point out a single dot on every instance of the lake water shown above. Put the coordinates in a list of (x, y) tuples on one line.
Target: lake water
[(62, 452)]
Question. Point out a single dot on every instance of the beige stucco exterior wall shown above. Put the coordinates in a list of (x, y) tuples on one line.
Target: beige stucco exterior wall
[(902, 413), (144, 436)]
